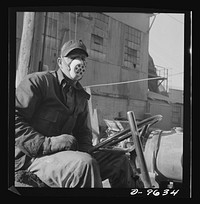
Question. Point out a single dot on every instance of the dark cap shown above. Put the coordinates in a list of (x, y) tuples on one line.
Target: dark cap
[(72, 45)]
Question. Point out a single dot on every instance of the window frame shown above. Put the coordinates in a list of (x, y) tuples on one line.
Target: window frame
[(132, 43)]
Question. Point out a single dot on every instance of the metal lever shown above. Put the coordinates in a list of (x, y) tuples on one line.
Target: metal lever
[(138, 149)]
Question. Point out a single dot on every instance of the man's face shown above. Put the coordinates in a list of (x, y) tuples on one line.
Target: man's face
[(74, 65)]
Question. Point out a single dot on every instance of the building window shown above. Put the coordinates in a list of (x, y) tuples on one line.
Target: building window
[(132, 47), (97, 43), (99, 36), (130, 56)]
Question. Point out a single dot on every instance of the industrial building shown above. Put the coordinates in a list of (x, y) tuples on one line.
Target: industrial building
[(117, 44)]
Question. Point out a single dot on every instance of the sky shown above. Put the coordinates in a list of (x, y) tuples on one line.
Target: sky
[(166, 46)]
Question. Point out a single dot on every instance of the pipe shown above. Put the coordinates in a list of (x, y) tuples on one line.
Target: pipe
[(76, 25), (44, 42), (69, 26), (138, 149), (152, 22)]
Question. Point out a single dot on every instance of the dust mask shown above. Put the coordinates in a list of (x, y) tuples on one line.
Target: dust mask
[(77, 68)]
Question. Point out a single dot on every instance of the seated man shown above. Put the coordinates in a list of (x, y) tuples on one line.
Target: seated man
[(52, 137)]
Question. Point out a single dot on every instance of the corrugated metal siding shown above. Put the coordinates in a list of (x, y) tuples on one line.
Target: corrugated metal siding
[(19, 26), (105, 67)]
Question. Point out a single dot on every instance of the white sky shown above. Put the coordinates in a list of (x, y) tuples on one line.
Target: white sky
[(166, 46)]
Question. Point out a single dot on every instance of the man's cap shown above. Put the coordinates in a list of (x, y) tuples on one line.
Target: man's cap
[(73, 45)]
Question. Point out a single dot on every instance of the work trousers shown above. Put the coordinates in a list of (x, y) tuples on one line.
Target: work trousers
[(75, 169)]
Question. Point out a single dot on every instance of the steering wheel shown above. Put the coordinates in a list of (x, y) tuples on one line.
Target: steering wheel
[(108, 143)]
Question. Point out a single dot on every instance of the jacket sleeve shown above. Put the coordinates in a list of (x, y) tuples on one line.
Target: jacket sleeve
[(28, 97), (82, 132)]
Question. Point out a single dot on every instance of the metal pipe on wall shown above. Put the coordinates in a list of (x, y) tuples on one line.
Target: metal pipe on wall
[(76, 25), (37, 42), (44, 42), (69, 26)]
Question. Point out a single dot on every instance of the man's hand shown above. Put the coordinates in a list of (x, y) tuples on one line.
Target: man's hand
[(59, 143)]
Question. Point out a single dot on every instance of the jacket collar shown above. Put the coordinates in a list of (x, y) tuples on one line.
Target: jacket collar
[(64, 79)]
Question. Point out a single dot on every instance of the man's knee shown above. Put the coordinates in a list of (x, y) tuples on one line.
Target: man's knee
[(85, 171), (85, 162), (86, 159), (76, 158)]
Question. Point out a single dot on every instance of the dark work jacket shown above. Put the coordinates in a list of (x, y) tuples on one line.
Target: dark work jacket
[(40, 111)]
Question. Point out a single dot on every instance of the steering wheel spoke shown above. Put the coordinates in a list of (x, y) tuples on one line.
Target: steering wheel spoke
[(142, 126)]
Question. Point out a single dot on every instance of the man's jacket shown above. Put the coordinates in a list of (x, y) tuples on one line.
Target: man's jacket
[(41, 111)]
